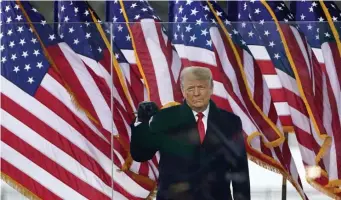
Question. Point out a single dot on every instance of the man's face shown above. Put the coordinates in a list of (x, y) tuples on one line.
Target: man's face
[(197, 92)]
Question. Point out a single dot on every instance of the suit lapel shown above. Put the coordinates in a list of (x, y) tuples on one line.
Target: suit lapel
[(210, 137)]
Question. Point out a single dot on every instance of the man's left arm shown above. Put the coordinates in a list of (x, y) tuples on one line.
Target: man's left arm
[(241, 182)]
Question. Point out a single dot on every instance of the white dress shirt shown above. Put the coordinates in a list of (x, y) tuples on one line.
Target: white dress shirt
[(204, 118)]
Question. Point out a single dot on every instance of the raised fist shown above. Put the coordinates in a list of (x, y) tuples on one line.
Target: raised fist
[(146, 110)]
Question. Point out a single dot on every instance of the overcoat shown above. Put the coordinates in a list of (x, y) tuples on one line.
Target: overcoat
[(189, 169)]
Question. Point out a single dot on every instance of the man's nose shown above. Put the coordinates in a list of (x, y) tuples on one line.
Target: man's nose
[(196, 91)]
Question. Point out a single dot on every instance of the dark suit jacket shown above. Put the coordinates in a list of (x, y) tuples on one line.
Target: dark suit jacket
[(188, 169)]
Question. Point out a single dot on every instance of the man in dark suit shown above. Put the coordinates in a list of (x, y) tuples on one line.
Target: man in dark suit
[(201, 146)]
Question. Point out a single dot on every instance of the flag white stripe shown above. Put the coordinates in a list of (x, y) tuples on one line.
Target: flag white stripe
[(159, 60), (129, 55), (225, 62), (119, 156), (38, 174), (318, 54), (154, 168), (248, 124), (54, 153), (249, 71), (125, 67), (332, 74), (300, 120), (332, 169), (288, 82), (60, 93), (273, 81), (58, 124), (282, 108), (303, 50), (89, 85), (308, 156), (176, 65), (101, 72), (259, 52), (266, 100), (97, 68), (196, 54)]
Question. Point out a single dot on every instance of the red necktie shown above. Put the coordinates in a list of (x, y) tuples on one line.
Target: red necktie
[(201, 127)]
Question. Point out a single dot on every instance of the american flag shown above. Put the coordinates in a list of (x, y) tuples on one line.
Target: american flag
[(76, 27), (263, 59), (81, 28), (199, 41), (288, 49), (50, 144), (139, 34), (313, 23), (122, 39), (147, 46)]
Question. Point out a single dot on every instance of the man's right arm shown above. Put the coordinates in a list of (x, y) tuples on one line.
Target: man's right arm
[(143, 145)]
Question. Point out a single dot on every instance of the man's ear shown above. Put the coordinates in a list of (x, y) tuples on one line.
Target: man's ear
[(182, 92)]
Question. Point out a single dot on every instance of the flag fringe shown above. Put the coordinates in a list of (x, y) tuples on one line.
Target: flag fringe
[(281, 139), (152, 194), (278, 171), (18, 187), (322, 189)]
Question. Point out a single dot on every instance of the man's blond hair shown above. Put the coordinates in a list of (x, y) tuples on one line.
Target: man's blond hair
[(199, 73)]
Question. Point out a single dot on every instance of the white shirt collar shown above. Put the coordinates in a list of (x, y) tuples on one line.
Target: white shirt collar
[(205, 112)]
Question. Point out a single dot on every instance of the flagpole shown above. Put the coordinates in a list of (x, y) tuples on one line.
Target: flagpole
[(284, 188), (284, 179)]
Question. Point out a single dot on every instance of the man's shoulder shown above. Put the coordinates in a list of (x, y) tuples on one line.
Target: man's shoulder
[(228, 115), (168, 118), (229, 121), (168, 112)]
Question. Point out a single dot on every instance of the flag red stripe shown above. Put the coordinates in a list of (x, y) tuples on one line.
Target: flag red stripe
[(146, 61), (50, 166), (70, 77), (115, 79), (286, 120), (306, 140), (63, 112), (287, 156), (168, 52), (144, 169), (303, 73), (272, 115), (337, 59), (137, 88), (26, 181), (336, 125), (106, 60), (271, 135), (278, 95), (265, 150), (266, 67), (258, 88), (102, 86), (55, 138)]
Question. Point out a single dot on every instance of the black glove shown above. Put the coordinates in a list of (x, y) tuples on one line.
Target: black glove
[(146, 110)]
